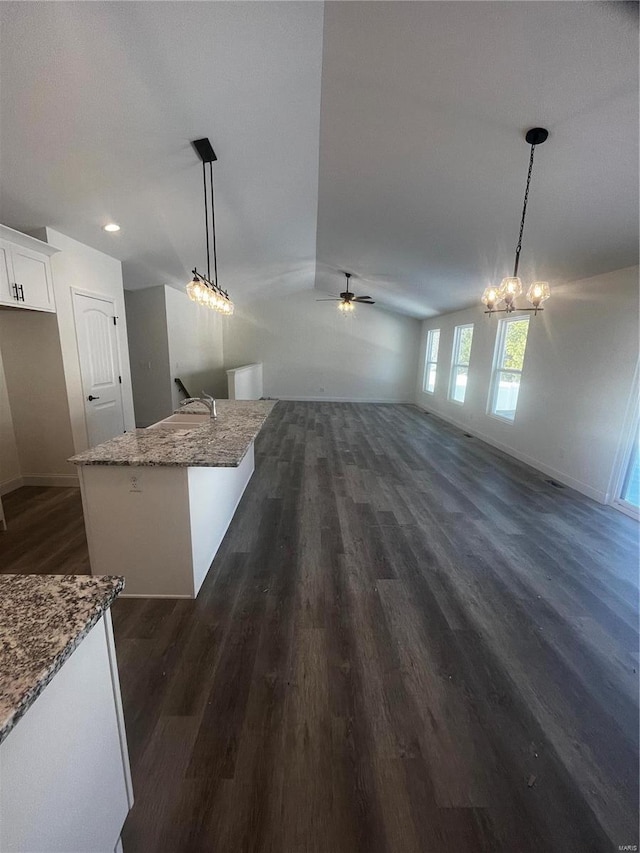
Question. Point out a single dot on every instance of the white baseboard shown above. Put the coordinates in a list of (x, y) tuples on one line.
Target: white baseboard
[(560, 476), (325, 399), (149, 595), (10, 485), (57, 480)]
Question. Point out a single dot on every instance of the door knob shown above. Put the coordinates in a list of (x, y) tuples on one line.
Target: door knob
[(91, 397)]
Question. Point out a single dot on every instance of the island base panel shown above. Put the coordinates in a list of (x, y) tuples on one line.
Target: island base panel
[(214, 495), (160, 526)]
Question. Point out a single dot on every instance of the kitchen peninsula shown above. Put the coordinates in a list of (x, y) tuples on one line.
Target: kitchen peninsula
[(158, 501), (65, 782)]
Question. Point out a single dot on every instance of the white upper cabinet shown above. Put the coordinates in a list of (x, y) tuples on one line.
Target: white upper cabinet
[(25, 271), (5, 286)]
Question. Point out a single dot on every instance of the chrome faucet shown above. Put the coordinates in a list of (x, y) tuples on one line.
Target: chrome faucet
[(206, 400), (210, 403)]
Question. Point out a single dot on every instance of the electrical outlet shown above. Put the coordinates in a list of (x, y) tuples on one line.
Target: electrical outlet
[(134, 484)]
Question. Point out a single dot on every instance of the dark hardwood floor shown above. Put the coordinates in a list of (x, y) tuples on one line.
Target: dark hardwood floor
[(407, 642), (45, 533)]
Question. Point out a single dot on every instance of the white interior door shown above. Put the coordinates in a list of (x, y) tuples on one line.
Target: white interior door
[(97, 335)]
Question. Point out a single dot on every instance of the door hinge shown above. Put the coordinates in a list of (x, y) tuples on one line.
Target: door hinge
[(115, 321), (120, 379)]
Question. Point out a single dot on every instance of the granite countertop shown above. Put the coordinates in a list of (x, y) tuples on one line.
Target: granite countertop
[(224, 406), (222, 443), (42, 620)]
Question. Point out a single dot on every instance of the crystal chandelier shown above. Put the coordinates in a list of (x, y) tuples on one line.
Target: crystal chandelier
[(202, 289), (511, 287)]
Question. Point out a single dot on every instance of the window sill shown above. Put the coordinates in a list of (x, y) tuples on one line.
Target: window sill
[(501, 418)]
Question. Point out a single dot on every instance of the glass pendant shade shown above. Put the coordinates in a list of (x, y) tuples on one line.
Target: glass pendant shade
[(192, 289), (206, 296), (490, 297), (538, 293), (510, 288)]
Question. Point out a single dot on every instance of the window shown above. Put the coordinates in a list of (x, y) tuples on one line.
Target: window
[(431, 360), (628, 499), (460, 362), (509, 358), (631, 485)]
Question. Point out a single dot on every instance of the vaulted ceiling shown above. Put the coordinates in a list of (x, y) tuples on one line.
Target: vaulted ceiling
[(382, 138)]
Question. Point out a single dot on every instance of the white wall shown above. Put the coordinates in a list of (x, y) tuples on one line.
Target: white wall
[(35, 383), (312, 351), (10, 476), (195, 346), (170, 336), (577, 379), (149, 354), (80, 267)]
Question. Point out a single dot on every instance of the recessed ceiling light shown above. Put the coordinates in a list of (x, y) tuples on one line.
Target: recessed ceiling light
[(111, 226)]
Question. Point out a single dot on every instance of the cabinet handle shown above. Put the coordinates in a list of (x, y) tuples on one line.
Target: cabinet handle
[(14, 287), (21, 289), (91, 397)]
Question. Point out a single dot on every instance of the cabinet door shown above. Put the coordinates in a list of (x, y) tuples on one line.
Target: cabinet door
[(32, 275), (7, 290)]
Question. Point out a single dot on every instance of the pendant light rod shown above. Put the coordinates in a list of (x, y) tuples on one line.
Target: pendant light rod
[(524, 213), (213, 225), (535, 136), (206, 215)]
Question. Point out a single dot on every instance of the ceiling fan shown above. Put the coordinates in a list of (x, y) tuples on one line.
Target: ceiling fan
[(347, 299)]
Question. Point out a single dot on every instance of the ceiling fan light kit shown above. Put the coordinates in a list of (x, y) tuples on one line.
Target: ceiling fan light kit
[(347, 300), (511, 287), (202, 289)]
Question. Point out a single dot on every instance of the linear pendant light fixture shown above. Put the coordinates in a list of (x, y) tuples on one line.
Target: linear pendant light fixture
[(205, 290), (511, 287)]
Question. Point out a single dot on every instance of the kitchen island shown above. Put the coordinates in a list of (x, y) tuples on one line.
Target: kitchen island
[(65, 783), (158, 501)]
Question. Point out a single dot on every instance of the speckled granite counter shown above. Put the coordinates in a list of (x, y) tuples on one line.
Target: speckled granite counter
[(224, 406), (222, 443), (42, 620)]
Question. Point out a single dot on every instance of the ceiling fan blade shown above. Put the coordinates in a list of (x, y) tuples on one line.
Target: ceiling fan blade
[(330, 299), (363, 297), (363, 301)]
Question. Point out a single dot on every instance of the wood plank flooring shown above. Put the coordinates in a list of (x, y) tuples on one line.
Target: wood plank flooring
[(407, 642), (45, 532)]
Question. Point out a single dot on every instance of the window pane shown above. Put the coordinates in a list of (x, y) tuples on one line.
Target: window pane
[(459, 384), (433, 344), (631, 489), (464, 345), (508, 386), (515, 341), (430, 384)]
